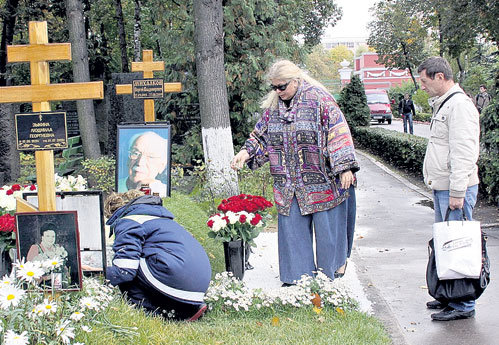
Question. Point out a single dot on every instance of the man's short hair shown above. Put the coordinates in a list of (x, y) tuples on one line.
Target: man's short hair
[(483, 85), (434, 65)]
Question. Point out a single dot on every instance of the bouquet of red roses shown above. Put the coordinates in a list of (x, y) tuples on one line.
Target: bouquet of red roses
[(7, 229), (240, 218)]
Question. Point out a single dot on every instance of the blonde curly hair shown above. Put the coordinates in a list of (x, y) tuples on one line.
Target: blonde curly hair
[(116, 200)]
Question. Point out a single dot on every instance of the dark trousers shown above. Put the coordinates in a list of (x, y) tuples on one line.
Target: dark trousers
[(408, 117)]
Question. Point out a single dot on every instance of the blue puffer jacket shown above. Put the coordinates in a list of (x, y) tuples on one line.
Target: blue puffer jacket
[(149, 244)]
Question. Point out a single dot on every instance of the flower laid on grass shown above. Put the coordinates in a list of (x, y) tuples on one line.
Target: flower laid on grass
[(240, 218), (228, 293)]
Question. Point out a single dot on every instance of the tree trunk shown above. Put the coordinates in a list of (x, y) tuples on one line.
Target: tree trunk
[(213, 103), (121, 30), (79, 52), (137, 27), (461, 71), (408, 66), (9, 22)]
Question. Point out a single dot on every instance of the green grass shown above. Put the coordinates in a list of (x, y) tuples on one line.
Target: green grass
[(286, 326)]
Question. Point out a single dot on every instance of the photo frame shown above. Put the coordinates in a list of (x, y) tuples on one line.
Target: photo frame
[(43, 235), (89, 206), (143, 157)]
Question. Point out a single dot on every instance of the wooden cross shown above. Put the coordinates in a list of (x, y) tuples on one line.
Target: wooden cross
[(38, 52), (148, 66)]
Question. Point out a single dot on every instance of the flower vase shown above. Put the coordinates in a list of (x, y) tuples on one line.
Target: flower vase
[(235, 257)]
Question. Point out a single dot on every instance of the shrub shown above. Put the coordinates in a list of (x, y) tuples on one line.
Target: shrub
[(489, 162), (420, 98), (425, 117), (100, 173), (353, 103)]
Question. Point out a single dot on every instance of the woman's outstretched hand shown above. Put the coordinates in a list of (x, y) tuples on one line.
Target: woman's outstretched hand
[(239, 160)]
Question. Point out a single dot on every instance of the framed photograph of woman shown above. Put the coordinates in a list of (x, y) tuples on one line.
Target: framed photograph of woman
[(143, 157), (47, 235)]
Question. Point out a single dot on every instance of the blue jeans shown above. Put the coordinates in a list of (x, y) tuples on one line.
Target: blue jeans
[(408, 117), (333, 239), (441, 203)]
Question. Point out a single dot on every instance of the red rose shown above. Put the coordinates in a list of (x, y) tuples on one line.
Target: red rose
[(256, 219), (10, 192), (210, 223), (32, 187), (242, 219), (7, 223), (16, 187), (226, 219)]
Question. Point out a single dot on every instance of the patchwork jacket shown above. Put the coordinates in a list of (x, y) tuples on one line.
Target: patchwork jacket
[(308, 145)]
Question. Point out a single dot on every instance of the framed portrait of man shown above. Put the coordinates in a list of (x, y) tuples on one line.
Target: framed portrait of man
[(46, 235), (89, 206), (143, 158)]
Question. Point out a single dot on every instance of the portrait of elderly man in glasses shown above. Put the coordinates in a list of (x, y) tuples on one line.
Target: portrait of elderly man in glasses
[(147, 160)]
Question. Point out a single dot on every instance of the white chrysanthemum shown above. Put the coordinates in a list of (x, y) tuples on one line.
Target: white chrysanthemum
[(233, 217), (52, 263), (77, 316), (86, 329), (46, 308), (6, 281), (89, 303), (10, 296), (65, 332), (12, 338), (30, 271)]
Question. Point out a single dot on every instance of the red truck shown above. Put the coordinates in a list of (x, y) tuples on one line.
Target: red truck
[(379, 105)]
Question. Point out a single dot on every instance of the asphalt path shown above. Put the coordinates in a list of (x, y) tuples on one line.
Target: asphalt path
[(420, 129)]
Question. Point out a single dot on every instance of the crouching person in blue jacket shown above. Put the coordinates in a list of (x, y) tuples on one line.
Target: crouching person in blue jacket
[(157, 263)]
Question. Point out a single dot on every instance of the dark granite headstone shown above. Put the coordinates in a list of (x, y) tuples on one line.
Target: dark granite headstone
[(9, 156), (122, 108)]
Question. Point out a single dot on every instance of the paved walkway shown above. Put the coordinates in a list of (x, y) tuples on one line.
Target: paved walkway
[(387, 269)]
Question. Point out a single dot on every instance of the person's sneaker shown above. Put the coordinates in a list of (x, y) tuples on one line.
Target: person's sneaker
[(435, 305), (199, 313), (287, 285), (449, 314)]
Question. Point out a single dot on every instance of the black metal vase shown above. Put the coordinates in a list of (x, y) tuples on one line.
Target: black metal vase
[(235, 257)]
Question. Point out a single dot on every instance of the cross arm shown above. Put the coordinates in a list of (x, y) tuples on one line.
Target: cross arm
[(39, 52), (52, 92)]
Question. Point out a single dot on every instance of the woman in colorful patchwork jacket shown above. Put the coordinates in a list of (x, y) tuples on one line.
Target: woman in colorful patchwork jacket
[(158, 264), (306, 139)]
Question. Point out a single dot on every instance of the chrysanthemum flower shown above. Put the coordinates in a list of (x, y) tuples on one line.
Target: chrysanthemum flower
[(12, 338), (77, 316), (52, 264), (86, 329), (65, 332), (6, 281), (30, 271), (46, 307), (10, 296), (89, 303)]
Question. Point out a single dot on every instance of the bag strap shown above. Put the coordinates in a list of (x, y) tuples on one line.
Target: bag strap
[(447, 213), (446, 99)]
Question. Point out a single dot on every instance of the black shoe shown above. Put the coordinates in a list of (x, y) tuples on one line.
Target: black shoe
[(338, 274), (435, 305), (449, 314), (248, 266), (287, 285)]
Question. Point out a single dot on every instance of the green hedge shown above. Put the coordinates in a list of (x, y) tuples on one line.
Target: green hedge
[(407, 152)]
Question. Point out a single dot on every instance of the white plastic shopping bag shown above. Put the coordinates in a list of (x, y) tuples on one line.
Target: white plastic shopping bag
[(458, 249)]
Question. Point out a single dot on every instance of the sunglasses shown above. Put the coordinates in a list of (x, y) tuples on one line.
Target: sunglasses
[(280, 87)]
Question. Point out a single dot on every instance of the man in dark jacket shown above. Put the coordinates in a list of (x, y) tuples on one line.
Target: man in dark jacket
[(158, 264), (407, 110), (482, 99)]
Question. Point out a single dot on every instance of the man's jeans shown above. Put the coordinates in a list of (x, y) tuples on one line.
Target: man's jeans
[(441, 203), (408, 117)]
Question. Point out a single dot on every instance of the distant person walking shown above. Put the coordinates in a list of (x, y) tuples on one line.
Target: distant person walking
[(407, 110), (449, 166), (482, 99)]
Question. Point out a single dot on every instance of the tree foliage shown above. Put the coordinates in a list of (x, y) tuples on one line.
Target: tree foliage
[(353, 103)]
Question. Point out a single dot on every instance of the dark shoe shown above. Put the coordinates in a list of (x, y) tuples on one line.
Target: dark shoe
[(199, 313), (341, 274), (449, 314), (287, 285), (248, 266), (435, 305)]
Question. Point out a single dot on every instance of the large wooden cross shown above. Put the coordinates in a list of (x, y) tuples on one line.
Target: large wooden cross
[(148, 67), (38, 52)]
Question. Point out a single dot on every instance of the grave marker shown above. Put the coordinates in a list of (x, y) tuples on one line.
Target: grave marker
[(148, 67), (38, 52)]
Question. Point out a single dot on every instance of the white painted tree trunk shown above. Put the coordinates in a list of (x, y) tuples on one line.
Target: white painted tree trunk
[(218, 152)]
